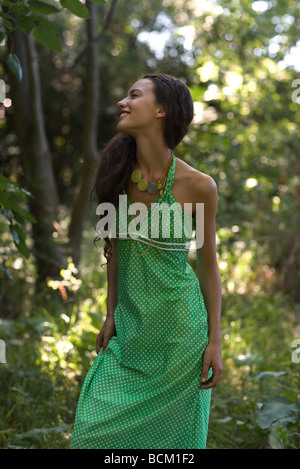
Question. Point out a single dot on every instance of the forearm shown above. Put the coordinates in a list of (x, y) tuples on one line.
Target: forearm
[(210, 284), (112, 282)]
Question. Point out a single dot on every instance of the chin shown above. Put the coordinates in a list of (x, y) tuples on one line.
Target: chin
[(122, 128)]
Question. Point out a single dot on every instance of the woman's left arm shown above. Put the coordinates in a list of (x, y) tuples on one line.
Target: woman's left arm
[(210, 284)]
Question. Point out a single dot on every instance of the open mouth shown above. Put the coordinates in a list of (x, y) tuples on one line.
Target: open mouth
[(124, 113)]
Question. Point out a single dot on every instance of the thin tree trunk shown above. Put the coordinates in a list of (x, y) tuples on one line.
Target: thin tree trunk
[(89, 147), (38, 171)]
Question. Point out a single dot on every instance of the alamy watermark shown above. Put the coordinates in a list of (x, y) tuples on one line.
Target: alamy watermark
[(296, 353), (296, 93), (2, 91), (2, 351), (174, 214)]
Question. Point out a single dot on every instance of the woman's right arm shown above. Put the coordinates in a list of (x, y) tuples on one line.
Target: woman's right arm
[(109, 328)]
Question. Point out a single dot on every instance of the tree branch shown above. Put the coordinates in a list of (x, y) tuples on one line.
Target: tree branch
[(106, 25)]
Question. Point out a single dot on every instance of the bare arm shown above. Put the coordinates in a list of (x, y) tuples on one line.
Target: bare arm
[(108, 328), (112, 281), (210, 284)]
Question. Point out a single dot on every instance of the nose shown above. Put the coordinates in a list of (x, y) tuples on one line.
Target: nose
[(121, 103)]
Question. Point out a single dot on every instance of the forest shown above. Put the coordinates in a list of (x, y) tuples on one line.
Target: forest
[(64, 64)]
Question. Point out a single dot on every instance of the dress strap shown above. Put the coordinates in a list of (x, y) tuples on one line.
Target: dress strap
[(170, 177)]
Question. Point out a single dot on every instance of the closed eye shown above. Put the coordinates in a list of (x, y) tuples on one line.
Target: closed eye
[(133, 94)]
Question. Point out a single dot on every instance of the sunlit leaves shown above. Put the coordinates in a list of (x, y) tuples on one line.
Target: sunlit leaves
[(251, 89)]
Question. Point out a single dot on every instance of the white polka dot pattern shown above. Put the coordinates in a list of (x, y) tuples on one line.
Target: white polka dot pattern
[(143, 392)]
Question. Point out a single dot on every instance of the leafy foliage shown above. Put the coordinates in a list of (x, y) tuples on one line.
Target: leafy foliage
[(12, 197), (32, 17)]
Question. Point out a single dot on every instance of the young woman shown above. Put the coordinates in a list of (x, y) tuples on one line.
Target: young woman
[(159, 348)]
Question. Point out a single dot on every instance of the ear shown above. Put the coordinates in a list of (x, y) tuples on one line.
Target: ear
[(161, 112)]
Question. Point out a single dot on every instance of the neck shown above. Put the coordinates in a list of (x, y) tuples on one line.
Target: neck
[(152, 156)]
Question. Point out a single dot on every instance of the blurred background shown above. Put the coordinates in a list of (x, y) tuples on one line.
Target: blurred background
[(63, 66)]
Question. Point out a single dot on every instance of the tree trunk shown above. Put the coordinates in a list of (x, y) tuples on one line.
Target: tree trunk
[(38, 172), (89, 146)]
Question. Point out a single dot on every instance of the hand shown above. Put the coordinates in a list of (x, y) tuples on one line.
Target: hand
[(211, 359), (105, 334)]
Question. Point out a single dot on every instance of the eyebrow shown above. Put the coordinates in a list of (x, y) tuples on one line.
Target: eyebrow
[(132, 91)]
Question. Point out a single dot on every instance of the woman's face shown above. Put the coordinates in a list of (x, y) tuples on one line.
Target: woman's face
[(139, 110)]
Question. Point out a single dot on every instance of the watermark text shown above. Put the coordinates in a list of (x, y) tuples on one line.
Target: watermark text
[(2, 351), (296, 93), (161, 219)]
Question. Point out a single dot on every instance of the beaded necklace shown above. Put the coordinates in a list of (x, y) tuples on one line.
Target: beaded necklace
[(151, 187), (161, 188)]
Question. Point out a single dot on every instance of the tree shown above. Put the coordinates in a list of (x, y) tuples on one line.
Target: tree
[(90, 130), (24, 26)]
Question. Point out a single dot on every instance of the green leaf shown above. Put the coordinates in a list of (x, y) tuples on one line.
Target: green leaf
[(7, 214), (7, 325), (19, 8), (276, 409), (11, 194), (20, 233), (4, 269), (47, 39), (267, 374), (42, 7), (8, 24), (9, 202), (16, 208), (26, 23), (19, 238), (22, 248), (96, 320), (36, 433), (15, 235), (2, 36), (14, 66), (18, 218), (224, 420), (245, 360), (76, 7), (4, 200)]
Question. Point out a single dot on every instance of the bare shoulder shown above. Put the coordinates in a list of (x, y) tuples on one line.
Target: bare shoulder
[(198, 186)]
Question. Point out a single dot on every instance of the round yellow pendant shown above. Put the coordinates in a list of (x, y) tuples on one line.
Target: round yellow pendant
[(142, 185), (136, 175), (159, 185)]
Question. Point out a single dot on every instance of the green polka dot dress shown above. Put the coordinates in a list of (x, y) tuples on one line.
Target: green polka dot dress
[(143, 391)]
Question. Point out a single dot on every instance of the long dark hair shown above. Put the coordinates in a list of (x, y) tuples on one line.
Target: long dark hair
[(118, 156)]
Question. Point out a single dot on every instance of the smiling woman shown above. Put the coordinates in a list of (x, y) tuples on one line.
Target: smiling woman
[(139, 109), (159, 348)]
